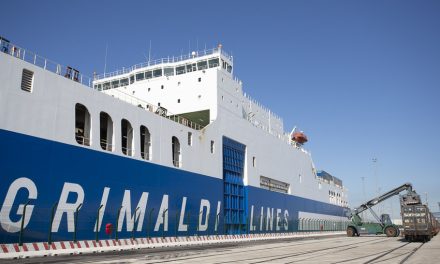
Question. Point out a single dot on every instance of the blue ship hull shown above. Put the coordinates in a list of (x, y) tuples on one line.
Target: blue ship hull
[(177, 202)]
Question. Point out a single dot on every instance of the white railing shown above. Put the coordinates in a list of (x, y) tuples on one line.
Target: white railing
[(153, 108), (164, 60), (49, 65)]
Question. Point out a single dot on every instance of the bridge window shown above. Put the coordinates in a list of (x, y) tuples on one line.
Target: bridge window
[(191, 67), (126, 138), (131, 79), (27, 78), (140, 76), (201, 65), (124, 82), (148, 74), (175, 145), (106, 131), (213, 63), (82, 125), (168, 71), (106, 86), (157, 73), (180, 70), (115, 84)]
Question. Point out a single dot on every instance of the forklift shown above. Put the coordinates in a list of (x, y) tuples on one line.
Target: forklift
[(383, 224)]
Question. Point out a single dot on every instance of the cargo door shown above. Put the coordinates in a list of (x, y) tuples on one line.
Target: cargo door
[(235, 196)]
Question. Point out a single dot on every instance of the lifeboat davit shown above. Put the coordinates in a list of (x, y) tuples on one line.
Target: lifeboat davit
[(299, 137)]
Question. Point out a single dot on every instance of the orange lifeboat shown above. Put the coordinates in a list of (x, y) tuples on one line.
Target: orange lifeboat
[(299, 137)]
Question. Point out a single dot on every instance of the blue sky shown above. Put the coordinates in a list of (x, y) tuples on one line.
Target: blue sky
[(361, 78)]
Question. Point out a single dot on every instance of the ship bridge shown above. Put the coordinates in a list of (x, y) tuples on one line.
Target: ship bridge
[(183, 86)]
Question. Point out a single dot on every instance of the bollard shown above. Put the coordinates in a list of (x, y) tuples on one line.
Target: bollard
[(135, 221), (75, 220), (20, 239), (49, 240), (163, 217), (97, 223), (149, 222)]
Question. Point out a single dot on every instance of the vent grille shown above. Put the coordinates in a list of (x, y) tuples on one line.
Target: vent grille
[(26, 80)]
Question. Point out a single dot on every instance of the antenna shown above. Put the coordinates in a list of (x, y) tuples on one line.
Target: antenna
[(149, 53), (105, 59)]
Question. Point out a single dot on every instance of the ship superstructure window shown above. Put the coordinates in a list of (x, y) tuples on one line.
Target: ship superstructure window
[(82, 125), (190, 135), (145, 143), (106, 86), (201, 65), (106, 131), (168, 71), (175, 145), (157, 73), (131, 79), (148, 74), (213, 63), (180, 70), (27, 79), (274, 185), (115, 84), (254, 162), (212, 146), (124, 82), (191, 67), (140, 76), (126, 138)]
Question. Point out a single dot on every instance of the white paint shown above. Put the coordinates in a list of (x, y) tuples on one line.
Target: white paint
[(251, 222), (261, 218), (286, 220), (204, 207), (269, 219), (64, 207), (277, 227), (5, 214), (104, 205), (138, 214), (182, 227), (217, 215), (162, 217)]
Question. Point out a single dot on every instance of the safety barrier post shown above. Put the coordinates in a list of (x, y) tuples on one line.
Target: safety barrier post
[(20, 239), (177, 224), (75, 219), (97, 223), (149, 222), (163, 228), (49, 240), (117, 223), (135, 221), (217, 223)]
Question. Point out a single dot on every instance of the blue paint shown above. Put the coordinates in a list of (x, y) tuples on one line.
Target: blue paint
[(51, 164)]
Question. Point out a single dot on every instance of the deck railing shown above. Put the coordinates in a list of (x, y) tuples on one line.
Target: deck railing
[(49, 65)]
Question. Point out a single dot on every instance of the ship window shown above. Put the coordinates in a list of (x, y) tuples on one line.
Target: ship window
[(27, 78), (161, 87), (178, 101), (82, 125), (190, 67), (99, 87), (254, 162), (224, 64), (175, 145), (212, 146), (157, 73), (131, 79), (149, 89), (213, 63), (229, 68), (169, 71), (106, 86), (124, 82), (106, 131), (190, 136), (200, 79), (145, 143), (115, 84), (201, 65), (148, 74), (180, 70), (140, 76), (126, 137)]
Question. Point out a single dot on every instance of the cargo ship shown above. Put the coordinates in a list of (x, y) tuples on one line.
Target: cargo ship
[(170, 147)]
